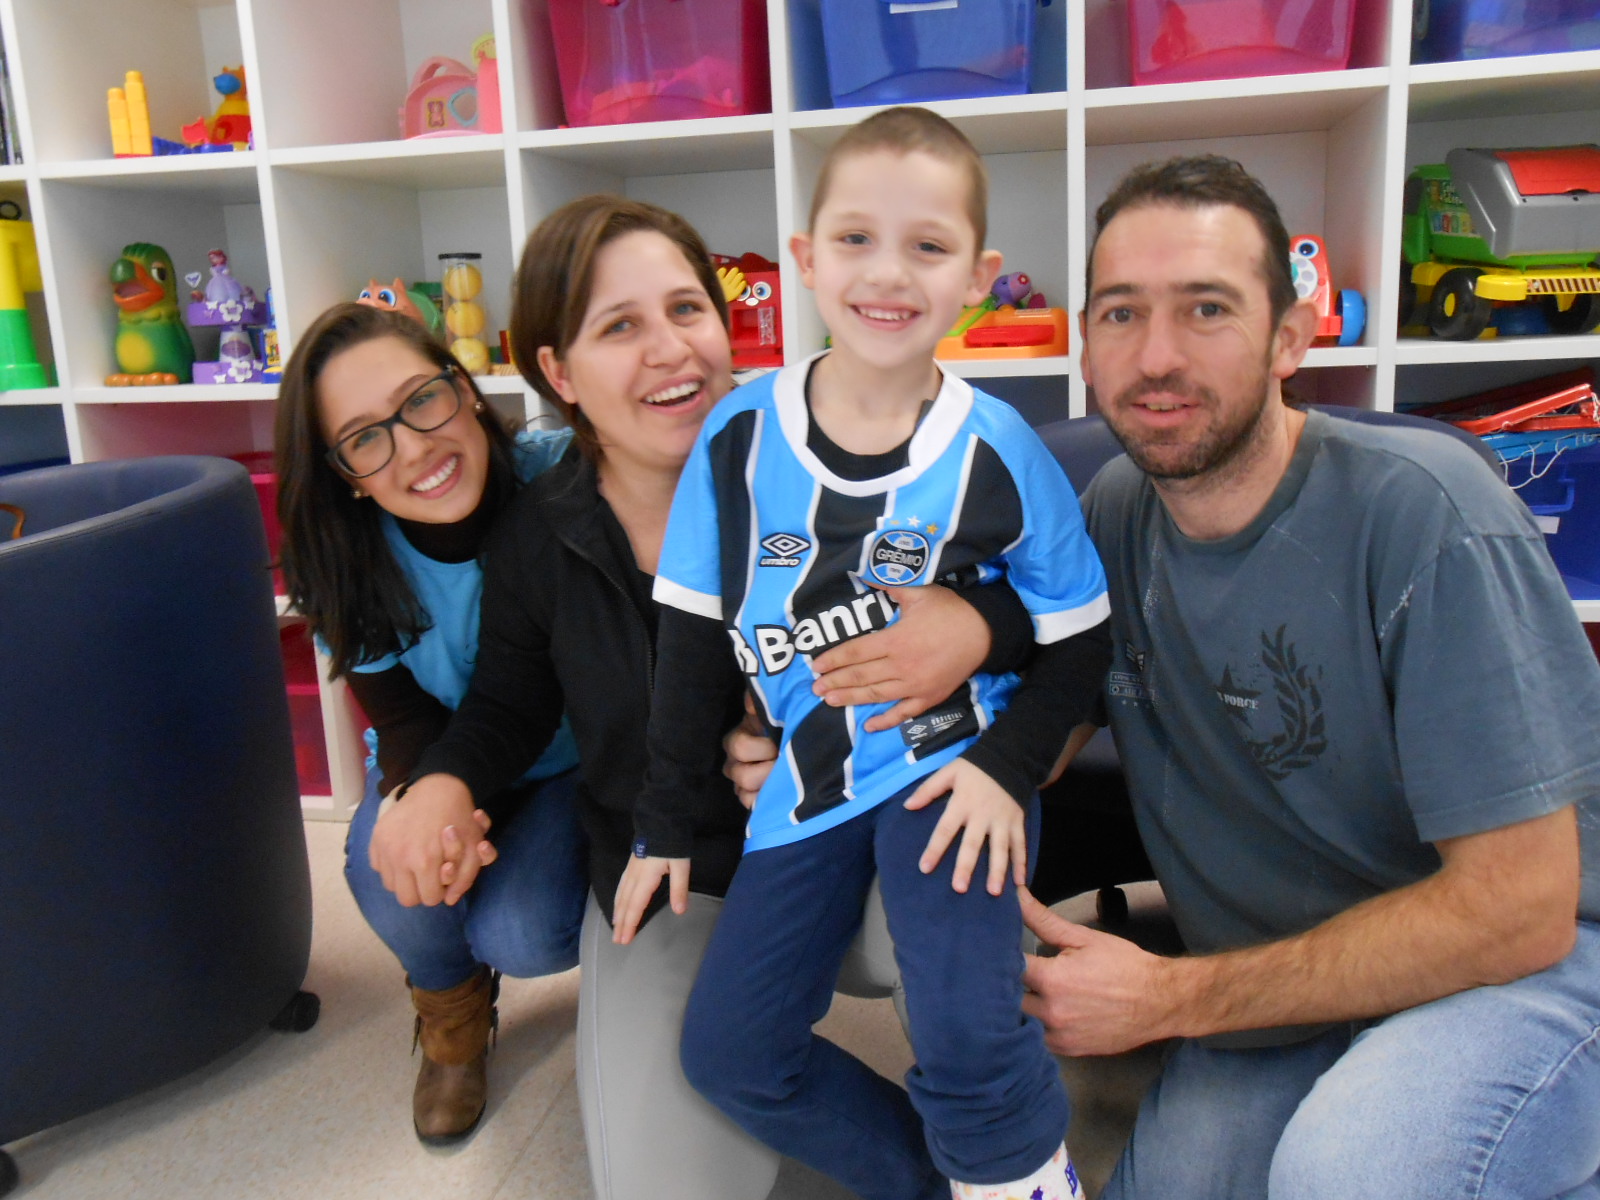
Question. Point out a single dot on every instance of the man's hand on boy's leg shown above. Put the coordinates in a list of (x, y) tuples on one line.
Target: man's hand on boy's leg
[(939, 642), (639, 883), (980, 809)]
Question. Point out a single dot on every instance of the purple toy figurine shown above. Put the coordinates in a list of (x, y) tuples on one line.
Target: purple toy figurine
[(222, 285), (225, 295), (1013, 289)]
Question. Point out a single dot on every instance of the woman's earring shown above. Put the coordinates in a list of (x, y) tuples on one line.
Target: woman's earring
[(358, 493), (477, 406)]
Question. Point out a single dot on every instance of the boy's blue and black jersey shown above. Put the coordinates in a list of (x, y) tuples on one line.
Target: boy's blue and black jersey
[(784, 553)]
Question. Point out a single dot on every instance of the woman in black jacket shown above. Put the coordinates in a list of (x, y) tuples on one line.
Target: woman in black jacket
[(620, 322)]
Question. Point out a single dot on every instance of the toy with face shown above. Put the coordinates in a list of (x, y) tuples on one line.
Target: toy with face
[(152, 344), (1341, 315), (395, 297)]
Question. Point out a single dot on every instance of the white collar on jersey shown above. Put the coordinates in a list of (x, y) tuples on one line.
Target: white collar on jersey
[(932, 438)]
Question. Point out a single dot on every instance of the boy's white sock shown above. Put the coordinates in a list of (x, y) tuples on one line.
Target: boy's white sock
[(1056, 1180)]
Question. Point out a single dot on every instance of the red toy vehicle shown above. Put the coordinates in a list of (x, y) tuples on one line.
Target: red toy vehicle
[(1341, 316)]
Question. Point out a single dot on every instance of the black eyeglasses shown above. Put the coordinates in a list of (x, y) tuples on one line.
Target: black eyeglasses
[(369, 449)]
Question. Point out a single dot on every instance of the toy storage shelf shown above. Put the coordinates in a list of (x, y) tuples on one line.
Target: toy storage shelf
[(331, 197)]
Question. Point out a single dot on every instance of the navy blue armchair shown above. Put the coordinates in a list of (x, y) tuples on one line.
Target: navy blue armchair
[(155, 899)]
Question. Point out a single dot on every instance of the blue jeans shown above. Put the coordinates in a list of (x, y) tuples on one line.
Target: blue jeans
[(985, 1103), (524, 912), (1493, 1092)]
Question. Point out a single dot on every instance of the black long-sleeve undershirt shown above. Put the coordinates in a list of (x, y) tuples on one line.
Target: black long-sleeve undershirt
[(406, 718)]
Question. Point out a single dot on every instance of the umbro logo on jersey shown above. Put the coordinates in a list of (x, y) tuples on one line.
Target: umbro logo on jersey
[(782, 549), (898, 556), (938, 728)]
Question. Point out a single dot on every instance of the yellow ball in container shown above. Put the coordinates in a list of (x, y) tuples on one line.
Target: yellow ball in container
[(465, 318), (472, 354), (462, 281)]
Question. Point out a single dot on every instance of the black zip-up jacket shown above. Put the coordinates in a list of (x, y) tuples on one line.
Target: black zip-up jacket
[(567, 625)]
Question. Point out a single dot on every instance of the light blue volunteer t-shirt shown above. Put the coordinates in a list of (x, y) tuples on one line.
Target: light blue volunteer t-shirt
[(442, 659)]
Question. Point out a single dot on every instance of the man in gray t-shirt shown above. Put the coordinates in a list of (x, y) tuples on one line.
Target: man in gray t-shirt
[(1356, 711)]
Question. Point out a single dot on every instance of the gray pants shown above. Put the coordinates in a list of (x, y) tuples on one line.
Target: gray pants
[(650, 1135)]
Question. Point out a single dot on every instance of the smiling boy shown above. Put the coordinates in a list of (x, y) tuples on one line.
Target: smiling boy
[(810, 497)]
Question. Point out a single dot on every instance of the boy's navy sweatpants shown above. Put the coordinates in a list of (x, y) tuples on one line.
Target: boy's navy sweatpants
[(985, 1101)]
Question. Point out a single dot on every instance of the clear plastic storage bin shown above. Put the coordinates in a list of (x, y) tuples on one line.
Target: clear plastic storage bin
[(893, 52), (1174, 41), (660, 60), (1449, 30)]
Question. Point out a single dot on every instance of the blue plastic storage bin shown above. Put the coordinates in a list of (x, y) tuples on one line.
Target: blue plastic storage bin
[(1451, 30), (1563, 491), (907, 51)]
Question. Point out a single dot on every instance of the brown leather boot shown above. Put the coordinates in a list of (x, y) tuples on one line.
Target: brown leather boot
[(453, 1028)]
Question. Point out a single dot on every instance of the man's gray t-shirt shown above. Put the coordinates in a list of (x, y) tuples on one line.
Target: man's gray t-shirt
[(1384, 658)]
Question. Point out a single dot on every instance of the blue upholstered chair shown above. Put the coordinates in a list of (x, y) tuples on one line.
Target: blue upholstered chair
[(155, 899)]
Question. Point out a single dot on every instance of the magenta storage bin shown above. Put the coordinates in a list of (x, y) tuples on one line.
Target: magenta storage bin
[(660, 60), (1173, 41), (305, 711), (1448, 30)]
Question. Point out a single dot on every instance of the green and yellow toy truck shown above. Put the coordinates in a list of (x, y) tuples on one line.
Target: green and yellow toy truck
[(1490, 227)]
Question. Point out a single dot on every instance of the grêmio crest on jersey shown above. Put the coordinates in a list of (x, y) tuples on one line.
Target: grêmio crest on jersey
[(897, 557)]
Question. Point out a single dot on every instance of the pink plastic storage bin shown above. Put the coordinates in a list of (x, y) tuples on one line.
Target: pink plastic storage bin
[(259, 464), (1173, 41), (305, 712), (660, 60)]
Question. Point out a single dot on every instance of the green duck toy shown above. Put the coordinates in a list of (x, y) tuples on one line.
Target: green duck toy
[(152, 344)]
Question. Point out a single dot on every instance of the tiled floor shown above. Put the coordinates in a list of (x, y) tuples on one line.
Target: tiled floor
[(326, 1113)]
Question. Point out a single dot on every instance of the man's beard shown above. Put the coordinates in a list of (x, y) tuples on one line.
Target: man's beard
[(1218, 446)]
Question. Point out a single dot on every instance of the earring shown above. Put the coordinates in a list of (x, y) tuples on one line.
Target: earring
[(477, 406), (358, 493)]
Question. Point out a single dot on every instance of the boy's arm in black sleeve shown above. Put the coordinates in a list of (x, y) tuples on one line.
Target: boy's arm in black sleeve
[(1011, 644), (406, 719), (697, 686), (1058, 692)]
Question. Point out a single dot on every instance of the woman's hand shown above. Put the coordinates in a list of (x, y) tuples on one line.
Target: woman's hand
[(458, 871), (981, 809), (938, 643), (408, 841), (639, 884)]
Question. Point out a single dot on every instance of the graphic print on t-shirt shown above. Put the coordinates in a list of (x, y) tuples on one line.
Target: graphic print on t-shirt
[(1296, 699)]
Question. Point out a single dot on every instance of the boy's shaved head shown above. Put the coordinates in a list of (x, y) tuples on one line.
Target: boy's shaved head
[(904, 130)]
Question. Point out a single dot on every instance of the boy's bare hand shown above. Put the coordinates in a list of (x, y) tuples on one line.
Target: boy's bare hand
[(981, 810), (938, 643), (639, 884), (751, 754)]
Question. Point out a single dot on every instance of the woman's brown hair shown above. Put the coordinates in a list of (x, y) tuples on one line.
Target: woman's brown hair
[(550, 295)]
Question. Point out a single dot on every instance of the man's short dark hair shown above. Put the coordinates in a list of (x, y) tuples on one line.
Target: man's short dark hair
[(1204, 181)]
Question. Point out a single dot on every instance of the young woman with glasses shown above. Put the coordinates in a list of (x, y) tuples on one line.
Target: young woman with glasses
[(391, 469)]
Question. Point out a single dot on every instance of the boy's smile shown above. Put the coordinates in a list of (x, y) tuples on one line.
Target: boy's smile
[(893, 257)]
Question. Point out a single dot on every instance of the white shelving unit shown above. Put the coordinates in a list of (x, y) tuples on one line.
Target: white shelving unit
[(330, 197)]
